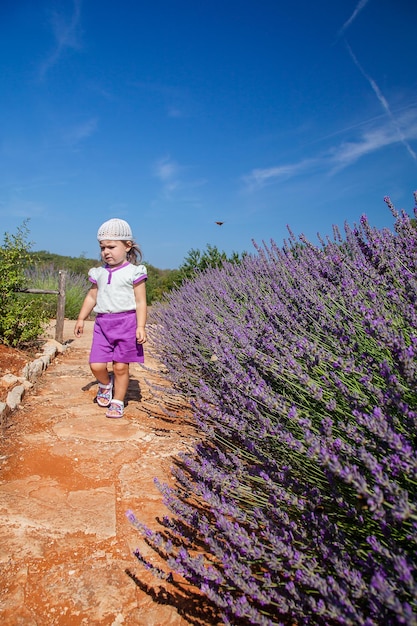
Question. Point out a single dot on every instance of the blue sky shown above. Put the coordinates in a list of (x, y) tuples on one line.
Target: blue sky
[(174, 114)]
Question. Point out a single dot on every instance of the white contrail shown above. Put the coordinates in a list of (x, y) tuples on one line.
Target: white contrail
[(361, 4), (383, 102), (374, 137)]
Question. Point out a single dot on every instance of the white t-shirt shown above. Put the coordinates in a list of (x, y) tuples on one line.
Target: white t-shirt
[(115, 287)]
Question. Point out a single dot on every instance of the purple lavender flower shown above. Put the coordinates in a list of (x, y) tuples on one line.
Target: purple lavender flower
[(299, 502)]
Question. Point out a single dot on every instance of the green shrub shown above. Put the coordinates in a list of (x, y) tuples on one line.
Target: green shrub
[(160, 282), (21, 317)]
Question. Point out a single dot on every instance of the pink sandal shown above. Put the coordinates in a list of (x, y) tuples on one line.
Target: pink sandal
[(116, 409), (105, 393)]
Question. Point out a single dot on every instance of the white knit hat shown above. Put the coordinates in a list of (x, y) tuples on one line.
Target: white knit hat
[(115, 230)]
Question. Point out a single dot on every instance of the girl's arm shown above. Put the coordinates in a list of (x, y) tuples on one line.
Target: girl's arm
[(88, 305), (141, 311)]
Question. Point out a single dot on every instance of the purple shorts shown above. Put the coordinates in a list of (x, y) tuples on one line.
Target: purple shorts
[(114, 339)]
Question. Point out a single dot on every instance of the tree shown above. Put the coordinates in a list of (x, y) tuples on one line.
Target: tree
[(197, 261)]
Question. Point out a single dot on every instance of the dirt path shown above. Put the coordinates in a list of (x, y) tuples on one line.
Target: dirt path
[(68, 476)]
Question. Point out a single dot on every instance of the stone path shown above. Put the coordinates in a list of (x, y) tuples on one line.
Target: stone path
[(67, 477)]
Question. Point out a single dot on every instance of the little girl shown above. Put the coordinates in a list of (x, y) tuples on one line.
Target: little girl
[(118, 297)]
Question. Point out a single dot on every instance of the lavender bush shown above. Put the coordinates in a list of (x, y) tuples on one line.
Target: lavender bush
[(299, 504)]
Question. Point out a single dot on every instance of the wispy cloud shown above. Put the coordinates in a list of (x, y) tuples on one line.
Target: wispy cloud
[(175, 180), (260, 177), (81, 131), (66, 33), (374, 137), (361, 5), (373, 140), (383, 101), (167, 171)]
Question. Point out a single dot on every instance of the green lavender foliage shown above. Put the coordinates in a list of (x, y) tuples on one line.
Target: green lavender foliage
[(46, 278)]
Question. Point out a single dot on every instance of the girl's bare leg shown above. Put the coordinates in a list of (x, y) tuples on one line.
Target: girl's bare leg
[(100, 372), (121, 380)]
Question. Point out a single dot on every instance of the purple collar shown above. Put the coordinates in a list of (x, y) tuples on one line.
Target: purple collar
[(114, 269)]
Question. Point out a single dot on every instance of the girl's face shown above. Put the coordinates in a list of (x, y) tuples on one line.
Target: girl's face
[(114, 252)]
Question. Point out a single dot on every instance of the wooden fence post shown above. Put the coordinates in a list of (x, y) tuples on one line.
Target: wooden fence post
[(60, 310)]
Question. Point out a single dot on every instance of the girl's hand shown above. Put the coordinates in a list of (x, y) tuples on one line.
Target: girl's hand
[(79, 328), (140, 334)]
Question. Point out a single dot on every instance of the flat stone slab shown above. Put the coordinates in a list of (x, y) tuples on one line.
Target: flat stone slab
[(100, 428), (35, 503)]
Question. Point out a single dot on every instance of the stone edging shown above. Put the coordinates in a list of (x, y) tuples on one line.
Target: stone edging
[(18, 385)]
